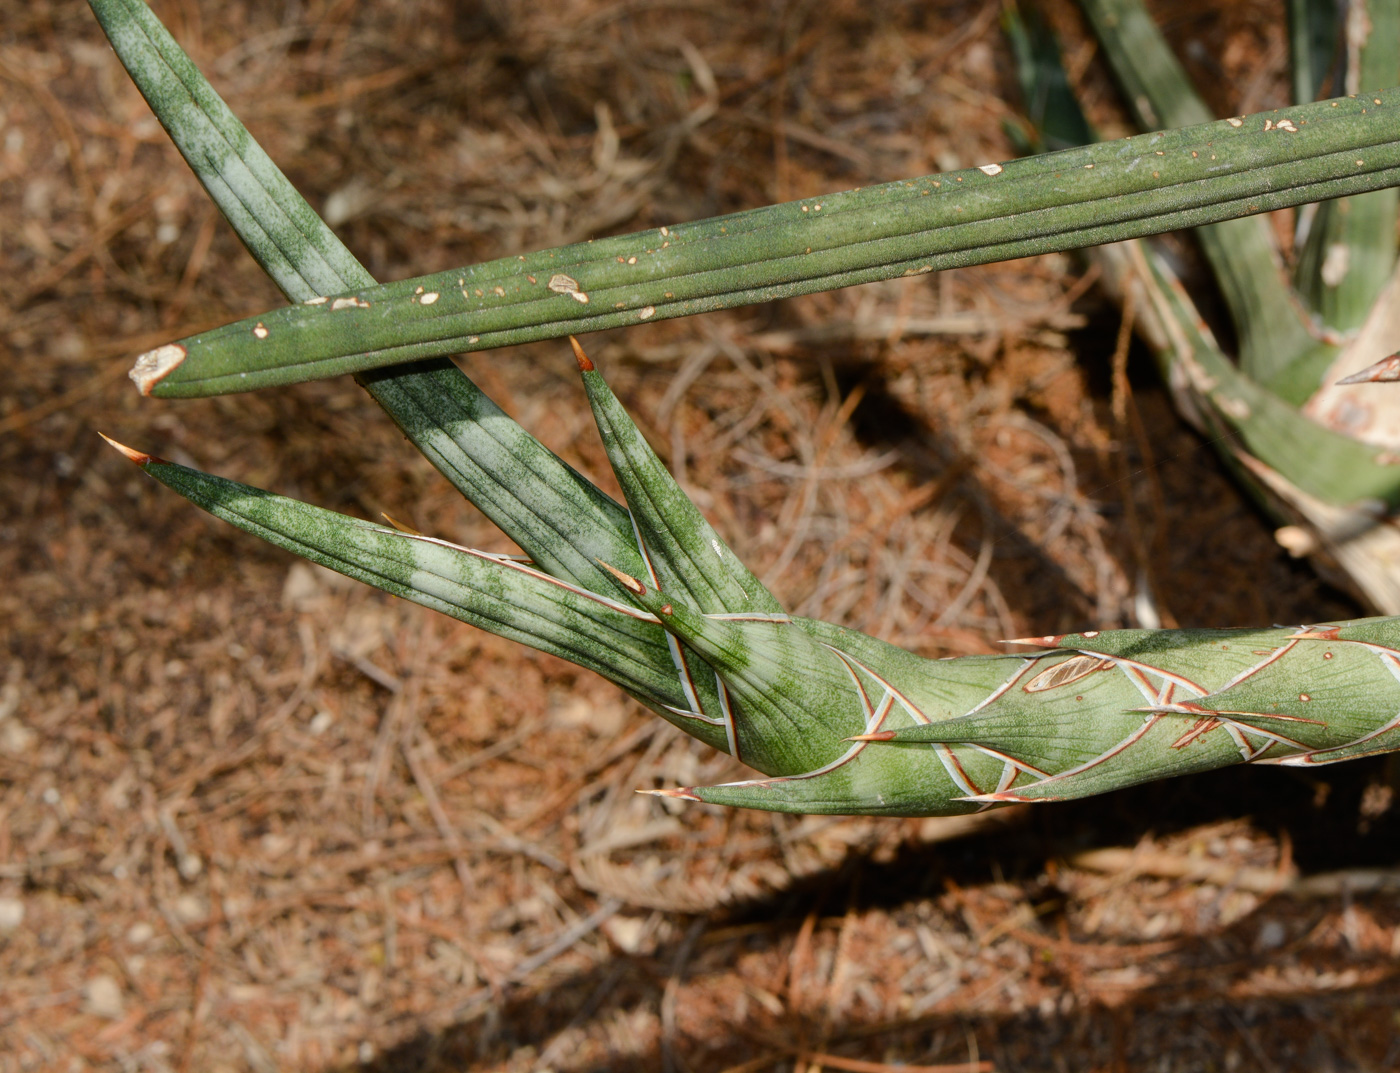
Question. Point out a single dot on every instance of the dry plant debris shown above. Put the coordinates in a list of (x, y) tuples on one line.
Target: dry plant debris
[(253, 818)]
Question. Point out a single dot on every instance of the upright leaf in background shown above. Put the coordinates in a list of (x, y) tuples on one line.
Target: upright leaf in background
[(1277, 346), (1047, 97), (1312, 44), (1319, 458), (1349, 252)]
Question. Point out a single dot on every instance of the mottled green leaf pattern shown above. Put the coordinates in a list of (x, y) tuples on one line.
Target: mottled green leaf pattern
[(557, 516)]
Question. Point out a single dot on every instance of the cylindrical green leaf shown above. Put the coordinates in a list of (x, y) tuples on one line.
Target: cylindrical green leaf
[(1064, 200)]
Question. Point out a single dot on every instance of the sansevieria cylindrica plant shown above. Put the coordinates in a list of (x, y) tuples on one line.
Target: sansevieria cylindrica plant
[(648, 594)]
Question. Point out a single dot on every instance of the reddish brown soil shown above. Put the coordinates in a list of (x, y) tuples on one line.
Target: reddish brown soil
[(252, 817)]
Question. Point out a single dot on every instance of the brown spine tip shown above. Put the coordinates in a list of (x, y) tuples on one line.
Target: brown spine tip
[(1319, 633), (879, 735), (681, 793), (1048, 641), (627, 581), (155, 365), (584, 365), (1386, 370), (135, 456), (400, 526)]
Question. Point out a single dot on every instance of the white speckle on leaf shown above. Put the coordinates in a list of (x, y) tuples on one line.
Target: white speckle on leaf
[(429, 298), (719, 549), (1236, 408), (989, 169), (344, 303), (580, 297), (1296, 540), (314, 301), (562, 284), (1235, 122), (260, 331), (500, 291), (1336, 263), (647, 312), (155, 365), (1286, 124)]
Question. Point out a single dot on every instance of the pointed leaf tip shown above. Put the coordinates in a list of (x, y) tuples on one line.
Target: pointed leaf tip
[(1386, 370), (627, 581), (680, 793), (400, 526), (135, 456), (155, 365), (584, 365)]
